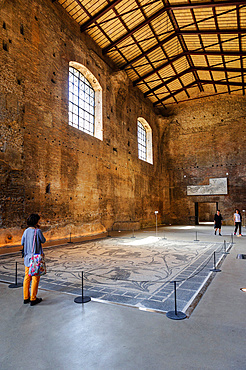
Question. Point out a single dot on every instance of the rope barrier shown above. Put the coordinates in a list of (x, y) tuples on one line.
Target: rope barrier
[(175, 315), (178, 315), (197, 273), (225, 251)]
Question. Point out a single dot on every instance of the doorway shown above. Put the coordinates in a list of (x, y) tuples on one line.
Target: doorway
[(204, 212)]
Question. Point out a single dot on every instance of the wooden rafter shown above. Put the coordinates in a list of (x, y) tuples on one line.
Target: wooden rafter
[(190, 70), (169, 49), (205, 82), (216, 53), (183, 33), (169, 8)]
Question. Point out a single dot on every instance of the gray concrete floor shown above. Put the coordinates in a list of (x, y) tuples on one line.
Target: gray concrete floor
[(60, 334)]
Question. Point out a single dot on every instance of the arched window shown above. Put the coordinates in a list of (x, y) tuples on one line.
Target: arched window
[(142, 142), (85, 100), (145, 151)]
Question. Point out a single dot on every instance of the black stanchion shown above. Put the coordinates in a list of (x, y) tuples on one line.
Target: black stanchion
[(196, 240), (175, 315), (109, 236), (70, 241), (214, 268), (232, 239), (133, 234), (225, 252), (16, 285), (82, 299)]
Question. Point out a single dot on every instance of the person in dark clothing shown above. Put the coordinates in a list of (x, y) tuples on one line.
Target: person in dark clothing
[(217, 222)]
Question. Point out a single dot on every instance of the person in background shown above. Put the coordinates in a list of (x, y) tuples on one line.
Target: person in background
[(237, 222), (217, 222), (27, 243)]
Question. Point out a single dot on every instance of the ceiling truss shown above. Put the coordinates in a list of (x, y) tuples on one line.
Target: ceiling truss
[(173, 50)]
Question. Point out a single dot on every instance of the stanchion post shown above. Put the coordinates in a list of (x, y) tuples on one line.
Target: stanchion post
[(133, 233), (232, 239), (109, 236), (214, 268), (156, 213), (175, 315), (82, 286), (196, 240), (16, 285), (82, 299), (70, 240), (175, 299), (225, 252)]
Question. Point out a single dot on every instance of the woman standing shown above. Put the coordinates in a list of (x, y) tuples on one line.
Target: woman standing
[(27, 243), (237, 222)]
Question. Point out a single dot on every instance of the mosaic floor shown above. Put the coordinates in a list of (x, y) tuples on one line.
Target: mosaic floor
[(132, 271)]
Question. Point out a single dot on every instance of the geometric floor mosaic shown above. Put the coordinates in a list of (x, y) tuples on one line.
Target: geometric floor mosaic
[(132, 271)]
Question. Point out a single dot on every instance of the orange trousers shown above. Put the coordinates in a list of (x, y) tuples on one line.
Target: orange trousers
[(26, 285)]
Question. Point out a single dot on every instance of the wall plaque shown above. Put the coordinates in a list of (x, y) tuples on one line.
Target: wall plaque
[(217, 186)]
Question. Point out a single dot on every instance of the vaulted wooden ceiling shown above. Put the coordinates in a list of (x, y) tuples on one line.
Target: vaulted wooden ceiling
[(173, 50)]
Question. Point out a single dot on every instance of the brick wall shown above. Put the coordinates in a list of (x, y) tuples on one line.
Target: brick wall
[(204, 139), (78, 184), (82, 185)]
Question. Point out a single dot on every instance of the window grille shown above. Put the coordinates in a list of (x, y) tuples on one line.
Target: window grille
[(81, 102), (142, 142)]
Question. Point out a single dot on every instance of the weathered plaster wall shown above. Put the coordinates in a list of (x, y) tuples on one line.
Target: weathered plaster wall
[(77, 183), (204, 139)]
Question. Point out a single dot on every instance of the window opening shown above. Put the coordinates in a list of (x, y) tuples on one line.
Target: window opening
[(142, 142), (144, 139), (81, 102)]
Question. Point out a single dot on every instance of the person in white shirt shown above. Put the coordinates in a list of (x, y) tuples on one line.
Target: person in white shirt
[(237, 222)]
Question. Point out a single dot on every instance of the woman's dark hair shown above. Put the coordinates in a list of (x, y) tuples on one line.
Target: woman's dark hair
[(33, 219)]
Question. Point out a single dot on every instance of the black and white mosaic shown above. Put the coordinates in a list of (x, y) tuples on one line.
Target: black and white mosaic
[(132, 271)]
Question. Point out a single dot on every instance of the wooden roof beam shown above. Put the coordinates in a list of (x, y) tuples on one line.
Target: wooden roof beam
[(210, 82), (185, 53), (167, 8), (240, 46), (175, 93), (231, 83), (189, 70), (221, 47), (183, 33), (183, 45), (95, 17)]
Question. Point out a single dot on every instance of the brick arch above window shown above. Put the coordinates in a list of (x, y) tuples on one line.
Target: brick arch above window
[(95, 86)]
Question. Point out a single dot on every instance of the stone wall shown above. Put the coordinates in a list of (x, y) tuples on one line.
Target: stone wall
[(79, 184), (202, 140)]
